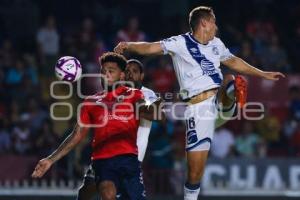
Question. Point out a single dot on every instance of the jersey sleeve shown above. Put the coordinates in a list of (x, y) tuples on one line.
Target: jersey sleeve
[(225, 54), (171, 45), (84, 116), (138, 95), (150, 96)]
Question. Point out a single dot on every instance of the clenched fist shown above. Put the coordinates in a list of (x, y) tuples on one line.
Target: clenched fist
[(121, 47)]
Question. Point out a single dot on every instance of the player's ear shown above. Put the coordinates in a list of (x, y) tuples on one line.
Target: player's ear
[(203, 22), (122, 76)]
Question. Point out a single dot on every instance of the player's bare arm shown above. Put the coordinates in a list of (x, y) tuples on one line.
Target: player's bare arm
[(239, 65), (153, 111), (142, 48), (65, 147)]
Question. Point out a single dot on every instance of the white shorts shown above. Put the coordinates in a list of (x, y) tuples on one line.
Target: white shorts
[(201, 120)]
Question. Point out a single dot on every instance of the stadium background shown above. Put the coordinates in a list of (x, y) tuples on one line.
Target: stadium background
[(34, 34)]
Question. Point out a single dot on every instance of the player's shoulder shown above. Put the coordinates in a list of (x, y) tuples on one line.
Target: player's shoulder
[(126, 89), (132, 92), (175, 38), (147, 91), (217, 41)]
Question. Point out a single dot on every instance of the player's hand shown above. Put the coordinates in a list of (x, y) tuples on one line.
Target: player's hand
[(121, 47), (273, 75), (41, 168)]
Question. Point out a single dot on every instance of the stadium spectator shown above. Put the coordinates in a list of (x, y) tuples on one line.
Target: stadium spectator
[(247, 143), (48, 45), (269, 128), (163, 77), (22, 136), (48, 38), (87, 41), (274, 56), (15, 74), (223, 143), (46, 140), (294, 107), (161, 154), (131, 32), (5, 140)]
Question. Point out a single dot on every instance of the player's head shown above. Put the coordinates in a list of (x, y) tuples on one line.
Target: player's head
[(134, 72), (113, 67), (202, 20)]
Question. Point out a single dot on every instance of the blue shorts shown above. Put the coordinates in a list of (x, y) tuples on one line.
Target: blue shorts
[(125, 172)]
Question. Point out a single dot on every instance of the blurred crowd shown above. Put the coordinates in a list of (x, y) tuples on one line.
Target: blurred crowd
[(34, 34)]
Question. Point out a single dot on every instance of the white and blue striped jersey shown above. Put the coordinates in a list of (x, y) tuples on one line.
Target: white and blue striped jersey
[(145, 125), (197, 66)]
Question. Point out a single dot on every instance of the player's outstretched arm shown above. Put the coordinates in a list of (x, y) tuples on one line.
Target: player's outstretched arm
[(142, 48), (239, 65), (67, 145)]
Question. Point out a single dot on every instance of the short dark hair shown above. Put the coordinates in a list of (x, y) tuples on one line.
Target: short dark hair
[(139, 63), (113, 57), (197, 14)]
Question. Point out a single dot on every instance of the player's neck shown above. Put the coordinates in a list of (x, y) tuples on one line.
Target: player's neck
[(138, 85), (111, 88), (201, 38)]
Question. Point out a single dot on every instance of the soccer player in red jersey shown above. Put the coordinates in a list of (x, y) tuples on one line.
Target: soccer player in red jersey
[(134, 74), (114, 118)]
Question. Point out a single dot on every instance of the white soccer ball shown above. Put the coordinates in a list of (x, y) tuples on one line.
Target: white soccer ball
[(68, 68)]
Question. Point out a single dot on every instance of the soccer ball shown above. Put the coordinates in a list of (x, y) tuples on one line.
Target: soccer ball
[(68, 68)]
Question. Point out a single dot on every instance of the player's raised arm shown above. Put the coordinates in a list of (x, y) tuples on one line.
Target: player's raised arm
[(239, 65), (65, 147), (142, 48)]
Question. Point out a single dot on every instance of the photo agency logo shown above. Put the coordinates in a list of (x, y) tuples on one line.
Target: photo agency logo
[(123, 111)]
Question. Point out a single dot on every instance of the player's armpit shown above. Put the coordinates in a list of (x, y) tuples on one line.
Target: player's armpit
[(151, 112)]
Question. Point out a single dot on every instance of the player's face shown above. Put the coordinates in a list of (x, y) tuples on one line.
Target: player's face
[(112, 73), (211, 27), (133, 73)]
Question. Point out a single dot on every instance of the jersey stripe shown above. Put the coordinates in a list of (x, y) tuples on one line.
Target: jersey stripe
[(207, 66)]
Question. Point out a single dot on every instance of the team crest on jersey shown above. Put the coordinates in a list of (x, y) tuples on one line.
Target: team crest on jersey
[(194, 50), (215, 50)]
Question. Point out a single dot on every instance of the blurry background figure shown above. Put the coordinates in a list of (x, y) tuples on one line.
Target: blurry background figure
[(48, 45), (223, 143), (131, 32), (248, 143)]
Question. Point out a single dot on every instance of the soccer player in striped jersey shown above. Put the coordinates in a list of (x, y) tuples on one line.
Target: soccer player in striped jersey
[(197, 56)]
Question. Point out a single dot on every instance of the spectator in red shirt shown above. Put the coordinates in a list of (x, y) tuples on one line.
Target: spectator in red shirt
[(131, 32)]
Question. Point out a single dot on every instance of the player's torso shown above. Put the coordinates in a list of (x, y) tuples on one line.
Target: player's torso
[(114, 114), (197, 66)]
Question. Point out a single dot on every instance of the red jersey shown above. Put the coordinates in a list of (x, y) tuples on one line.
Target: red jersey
[(113, 118)]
